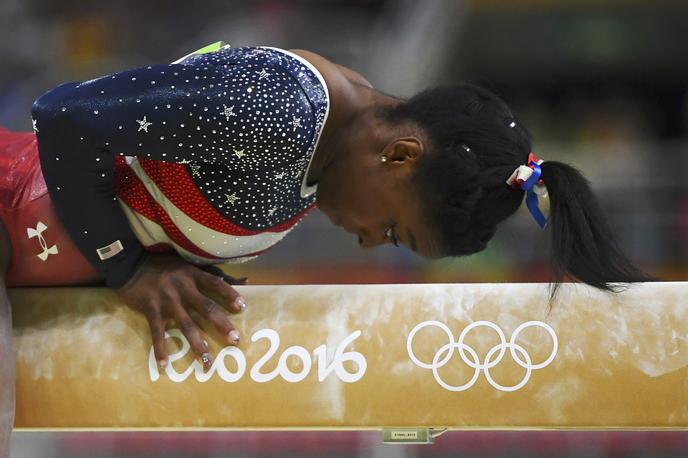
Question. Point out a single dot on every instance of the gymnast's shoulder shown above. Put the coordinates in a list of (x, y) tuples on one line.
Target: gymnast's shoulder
[(335, 75)]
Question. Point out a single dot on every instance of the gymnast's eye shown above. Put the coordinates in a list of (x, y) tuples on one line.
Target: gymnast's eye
[(390, 233)]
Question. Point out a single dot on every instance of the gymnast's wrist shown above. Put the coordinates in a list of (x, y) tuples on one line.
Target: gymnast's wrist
[(119, 279)]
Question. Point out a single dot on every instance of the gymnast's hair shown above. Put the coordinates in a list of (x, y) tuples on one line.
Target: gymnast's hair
[(475, 144)]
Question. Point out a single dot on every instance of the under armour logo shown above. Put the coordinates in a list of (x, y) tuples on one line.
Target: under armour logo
[(37, 233)]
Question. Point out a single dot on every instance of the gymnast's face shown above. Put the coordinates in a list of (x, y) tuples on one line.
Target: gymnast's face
[(376, 200)]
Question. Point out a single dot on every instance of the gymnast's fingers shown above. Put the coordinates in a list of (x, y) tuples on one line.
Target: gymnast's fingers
[(191, 332), (230, 297), (233, 280), (214, 313), (213, 269), (157, 330)]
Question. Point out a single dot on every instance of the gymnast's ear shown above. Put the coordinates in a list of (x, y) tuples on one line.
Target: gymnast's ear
[(404, 149)]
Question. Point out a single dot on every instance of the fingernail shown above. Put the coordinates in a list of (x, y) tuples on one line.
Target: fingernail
[(240, 303), (162, 363), (205, 359), (234, 336)]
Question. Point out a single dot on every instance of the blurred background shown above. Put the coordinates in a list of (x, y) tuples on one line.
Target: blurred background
[(601, 84)]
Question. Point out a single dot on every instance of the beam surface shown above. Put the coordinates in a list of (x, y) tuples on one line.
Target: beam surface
[(364, 356)]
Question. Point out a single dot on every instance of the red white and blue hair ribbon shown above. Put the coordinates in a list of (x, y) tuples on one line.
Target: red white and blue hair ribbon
[(527, 178)]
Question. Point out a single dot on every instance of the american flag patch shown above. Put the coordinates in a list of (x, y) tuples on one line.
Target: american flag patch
[(109, 251)]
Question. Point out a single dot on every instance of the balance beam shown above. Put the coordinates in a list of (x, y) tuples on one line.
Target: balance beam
[(457, 356)]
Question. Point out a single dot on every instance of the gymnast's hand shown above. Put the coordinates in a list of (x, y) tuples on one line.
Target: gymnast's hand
[(166, 285)]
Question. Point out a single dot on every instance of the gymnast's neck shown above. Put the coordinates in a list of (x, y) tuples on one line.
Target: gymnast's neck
[(353, 121)]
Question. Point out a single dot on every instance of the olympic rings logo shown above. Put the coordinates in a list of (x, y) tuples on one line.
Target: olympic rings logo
[(445, 353)]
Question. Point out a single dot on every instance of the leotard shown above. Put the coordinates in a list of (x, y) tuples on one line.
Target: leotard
[(207, 156)]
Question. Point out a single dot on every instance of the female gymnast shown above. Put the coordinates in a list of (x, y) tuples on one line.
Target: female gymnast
[(146, 178)]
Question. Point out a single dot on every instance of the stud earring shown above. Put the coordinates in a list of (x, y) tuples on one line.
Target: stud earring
[(383, 158)]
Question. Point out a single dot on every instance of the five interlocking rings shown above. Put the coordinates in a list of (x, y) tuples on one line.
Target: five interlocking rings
[(448, 350)]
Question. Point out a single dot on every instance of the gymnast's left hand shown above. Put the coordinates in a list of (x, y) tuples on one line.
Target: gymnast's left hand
[(166, 286)]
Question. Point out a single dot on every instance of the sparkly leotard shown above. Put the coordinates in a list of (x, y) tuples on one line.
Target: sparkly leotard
[(207, 156)]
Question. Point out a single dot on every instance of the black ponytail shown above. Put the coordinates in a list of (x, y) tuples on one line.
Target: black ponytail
[(582, 244), (474, 145)]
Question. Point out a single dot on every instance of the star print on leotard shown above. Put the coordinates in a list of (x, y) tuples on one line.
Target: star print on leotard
[(144, 125)]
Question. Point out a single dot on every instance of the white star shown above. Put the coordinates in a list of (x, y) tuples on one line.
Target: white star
[(143, 124), (33, 121), (296, 122), (231, 198), (279, 176), (272, 210), (228, 111), (195, 168), (263, 74), (239, 152)]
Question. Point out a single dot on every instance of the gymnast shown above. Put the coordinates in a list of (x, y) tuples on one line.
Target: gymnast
[(148, 178)]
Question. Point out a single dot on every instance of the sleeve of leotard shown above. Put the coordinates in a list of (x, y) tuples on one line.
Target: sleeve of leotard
[(164, 112)]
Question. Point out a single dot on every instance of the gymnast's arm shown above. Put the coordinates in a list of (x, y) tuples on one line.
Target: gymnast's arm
[(145, 112)]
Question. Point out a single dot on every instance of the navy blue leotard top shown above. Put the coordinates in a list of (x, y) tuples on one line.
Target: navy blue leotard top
[(207, 156)]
